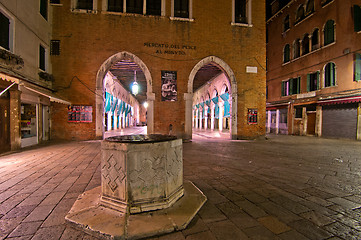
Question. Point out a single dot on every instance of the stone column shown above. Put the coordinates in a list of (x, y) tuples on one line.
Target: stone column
[(15, 116), (99, 114), (192, 118), (221, 113), (120, 120), (150, 112), (188, 98), (304, 118), (40, 122), (277, 121), (205, 117), (197, 118), (200, 119), (234, 130), (269, 121), (109, 123), (123, 120), (318, 130), (212, 117), (115, 121), (358, 133)]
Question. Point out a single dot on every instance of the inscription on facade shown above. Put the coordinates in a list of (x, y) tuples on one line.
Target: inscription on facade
[(170, 49)]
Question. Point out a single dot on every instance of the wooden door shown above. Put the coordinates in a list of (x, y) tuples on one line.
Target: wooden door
[(311, 123), (4, 125)]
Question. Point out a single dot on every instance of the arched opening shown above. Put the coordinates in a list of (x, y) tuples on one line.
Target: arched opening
[(213, 81), (305, 44), (119, 110)]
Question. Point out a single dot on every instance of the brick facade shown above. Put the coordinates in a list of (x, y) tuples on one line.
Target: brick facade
[(88, 39)]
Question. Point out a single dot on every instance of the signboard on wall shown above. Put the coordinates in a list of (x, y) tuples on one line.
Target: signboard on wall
[(169, 85), (80, 114), (252, 116)]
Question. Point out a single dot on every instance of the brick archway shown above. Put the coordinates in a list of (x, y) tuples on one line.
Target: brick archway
[(104, 68), (189, 95)]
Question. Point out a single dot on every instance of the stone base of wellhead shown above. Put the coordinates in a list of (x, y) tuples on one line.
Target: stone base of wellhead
[(88, 215)]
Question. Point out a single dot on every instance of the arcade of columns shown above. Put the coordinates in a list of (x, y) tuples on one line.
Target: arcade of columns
[(217, 108), (121, 108)]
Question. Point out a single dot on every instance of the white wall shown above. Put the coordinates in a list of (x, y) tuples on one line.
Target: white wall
[(30, 30)]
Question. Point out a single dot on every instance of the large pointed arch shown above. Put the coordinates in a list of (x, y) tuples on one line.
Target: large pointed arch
[(104, 68), (189, 95)]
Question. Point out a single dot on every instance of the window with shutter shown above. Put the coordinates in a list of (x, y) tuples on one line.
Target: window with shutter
[(286, 53), (154, 7), (330, 75), (329, 32), (55, 47), (357, 18), (181, 8), (357, 67), (240, 11), (315, 41), (115, 5), (85, 4), (44, 8), (135, 6), (4, 31), (286, 23), (42, 58), (313, 81)]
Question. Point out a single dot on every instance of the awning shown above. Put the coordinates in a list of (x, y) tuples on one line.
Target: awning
[(53, 97), (9, 78), (353, 99)]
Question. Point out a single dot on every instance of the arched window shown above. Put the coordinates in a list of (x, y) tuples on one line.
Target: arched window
[(286, 23), (310, 7), (300, 14), (315, 39), (330, 74), (305, 44), (296, 48), (286, 53), (329, 32)]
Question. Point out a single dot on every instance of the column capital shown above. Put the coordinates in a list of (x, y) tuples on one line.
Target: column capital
[(150, 96), (188, 96)]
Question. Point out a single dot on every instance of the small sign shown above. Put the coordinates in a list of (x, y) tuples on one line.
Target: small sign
[(252, 116), (251, 69), (82, 114), (169, 85)]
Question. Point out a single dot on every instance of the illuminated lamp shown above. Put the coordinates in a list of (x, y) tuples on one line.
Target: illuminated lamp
[(135, 86)]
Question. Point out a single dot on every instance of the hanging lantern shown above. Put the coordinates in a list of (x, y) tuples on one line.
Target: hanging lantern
[(135, 86)]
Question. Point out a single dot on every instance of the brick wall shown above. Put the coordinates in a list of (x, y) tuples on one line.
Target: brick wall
[(89, 39)]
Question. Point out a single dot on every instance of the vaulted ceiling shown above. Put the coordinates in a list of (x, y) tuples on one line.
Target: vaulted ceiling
[(125, 70)]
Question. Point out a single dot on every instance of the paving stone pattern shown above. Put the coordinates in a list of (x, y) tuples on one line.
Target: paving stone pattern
[(285, 187)]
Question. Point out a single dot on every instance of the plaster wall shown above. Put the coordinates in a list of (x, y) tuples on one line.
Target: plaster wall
[(341, 52)]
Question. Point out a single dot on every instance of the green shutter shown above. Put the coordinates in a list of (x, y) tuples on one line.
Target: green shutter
[(318, 80), (329, 32), (308, 82), (283, 88), (332, 74), (357, 18), (357, 67), (290, 86), (298, 85)]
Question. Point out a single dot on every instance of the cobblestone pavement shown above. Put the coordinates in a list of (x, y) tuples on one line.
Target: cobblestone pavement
[(285, 187)]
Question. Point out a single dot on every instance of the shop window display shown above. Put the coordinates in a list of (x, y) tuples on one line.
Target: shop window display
[(28, 120)]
